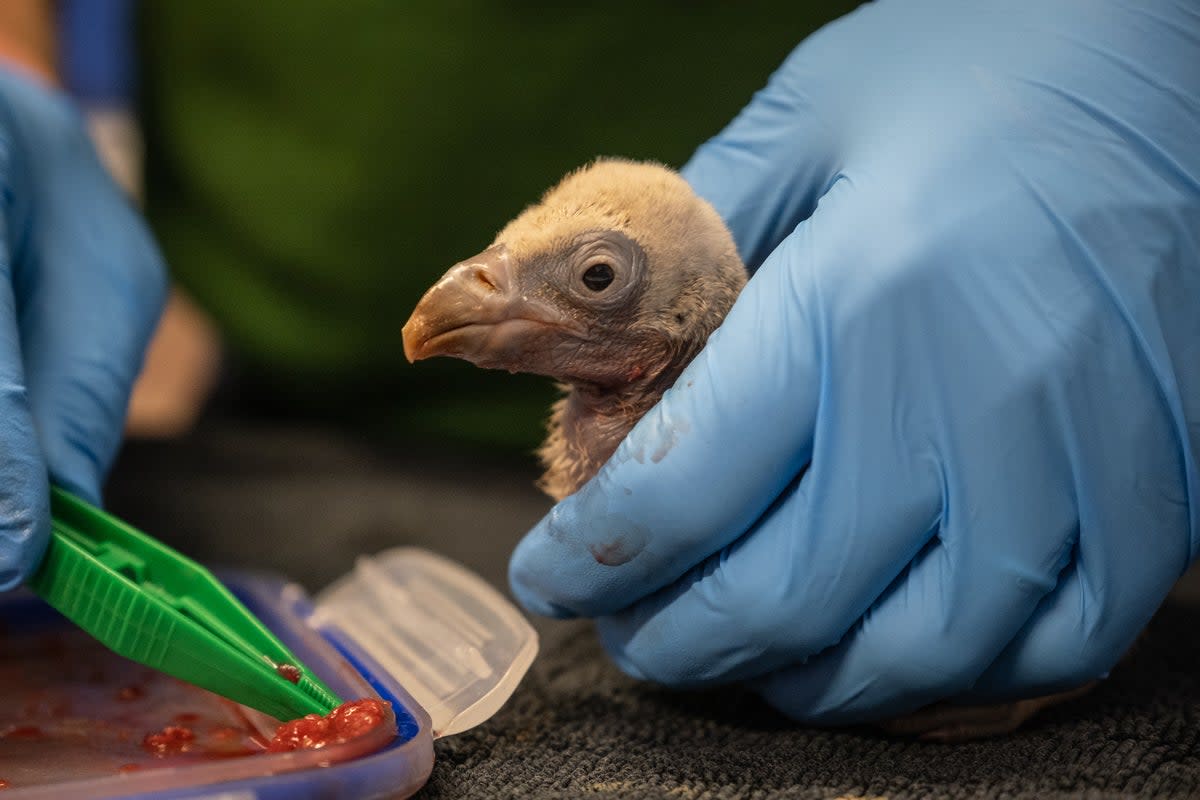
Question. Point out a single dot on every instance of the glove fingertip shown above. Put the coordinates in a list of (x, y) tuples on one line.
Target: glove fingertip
[(75, 465), (23, 539), (535, 604), (87, 489), (614, 637), (521, 580)]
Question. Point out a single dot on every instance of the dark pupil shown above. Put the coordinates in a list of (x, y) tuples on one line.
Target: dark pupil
[(598, 276)]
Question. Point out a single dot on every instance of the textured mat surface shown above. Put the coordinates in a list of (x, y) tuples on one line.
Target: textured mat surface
[(577, 727), (305, 504)]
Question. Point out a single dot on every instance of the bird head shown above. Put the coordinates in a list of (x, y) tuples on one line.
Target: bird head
[(615, 277)]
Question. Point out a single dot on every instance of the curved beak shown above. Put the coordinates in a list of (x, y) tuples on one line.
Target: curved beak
[(475, 312)]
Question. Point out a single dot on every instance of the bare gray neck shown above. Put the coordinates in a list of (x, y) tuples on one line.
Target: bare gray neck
[(587, 425)]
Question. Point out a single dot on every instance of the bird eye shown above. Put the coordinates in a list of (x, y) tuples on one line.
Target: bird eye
[(598, 277)]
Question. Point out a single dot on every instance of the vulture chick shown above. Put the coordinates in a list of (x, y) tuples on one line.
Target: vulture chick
[(611, 284)]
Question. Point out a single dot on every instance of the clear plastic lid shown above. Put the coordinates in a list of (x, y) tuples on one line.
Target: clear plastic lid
[(451, 640)]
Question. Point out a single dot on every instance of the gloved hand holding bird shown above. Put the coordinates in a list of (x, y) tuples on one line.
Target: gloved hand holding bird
[(945, 445), (611, 285)]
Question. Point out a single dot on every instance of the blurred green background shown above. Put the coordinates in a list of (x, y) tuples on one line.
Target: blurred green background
[(314, 166)]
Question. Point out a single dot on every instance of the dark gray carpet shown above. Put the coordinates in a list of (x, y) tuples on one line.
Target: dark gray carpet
[(306, 503)]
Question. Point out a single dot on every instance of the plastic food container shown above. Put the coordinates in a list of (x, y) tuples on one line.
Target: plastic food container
[(406, 625)]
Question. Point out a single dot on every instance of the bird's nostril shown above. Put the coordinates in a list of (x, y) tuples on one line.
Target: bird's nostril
[(486, 278)]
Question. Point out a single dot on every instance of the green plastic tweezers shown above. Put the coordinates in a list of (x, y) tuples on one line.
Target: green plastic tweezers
[(153, 605)]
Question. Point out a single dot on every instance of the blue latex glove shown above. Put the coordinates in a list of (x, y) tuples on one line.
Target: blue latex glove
[(81, 287), (946, 444)]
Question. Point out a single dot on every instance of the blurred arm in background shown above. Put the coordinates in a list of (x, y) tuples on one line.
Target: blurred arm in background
[(96, 60), (28, 39)]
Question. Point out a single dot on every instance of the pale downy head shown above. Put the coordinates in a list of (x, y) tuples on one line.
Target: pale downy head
[(611, 284), (619, 272)]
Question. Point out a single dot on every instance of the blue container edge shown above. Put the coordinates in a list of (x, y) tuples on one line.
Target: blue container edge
[(397, 770)]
